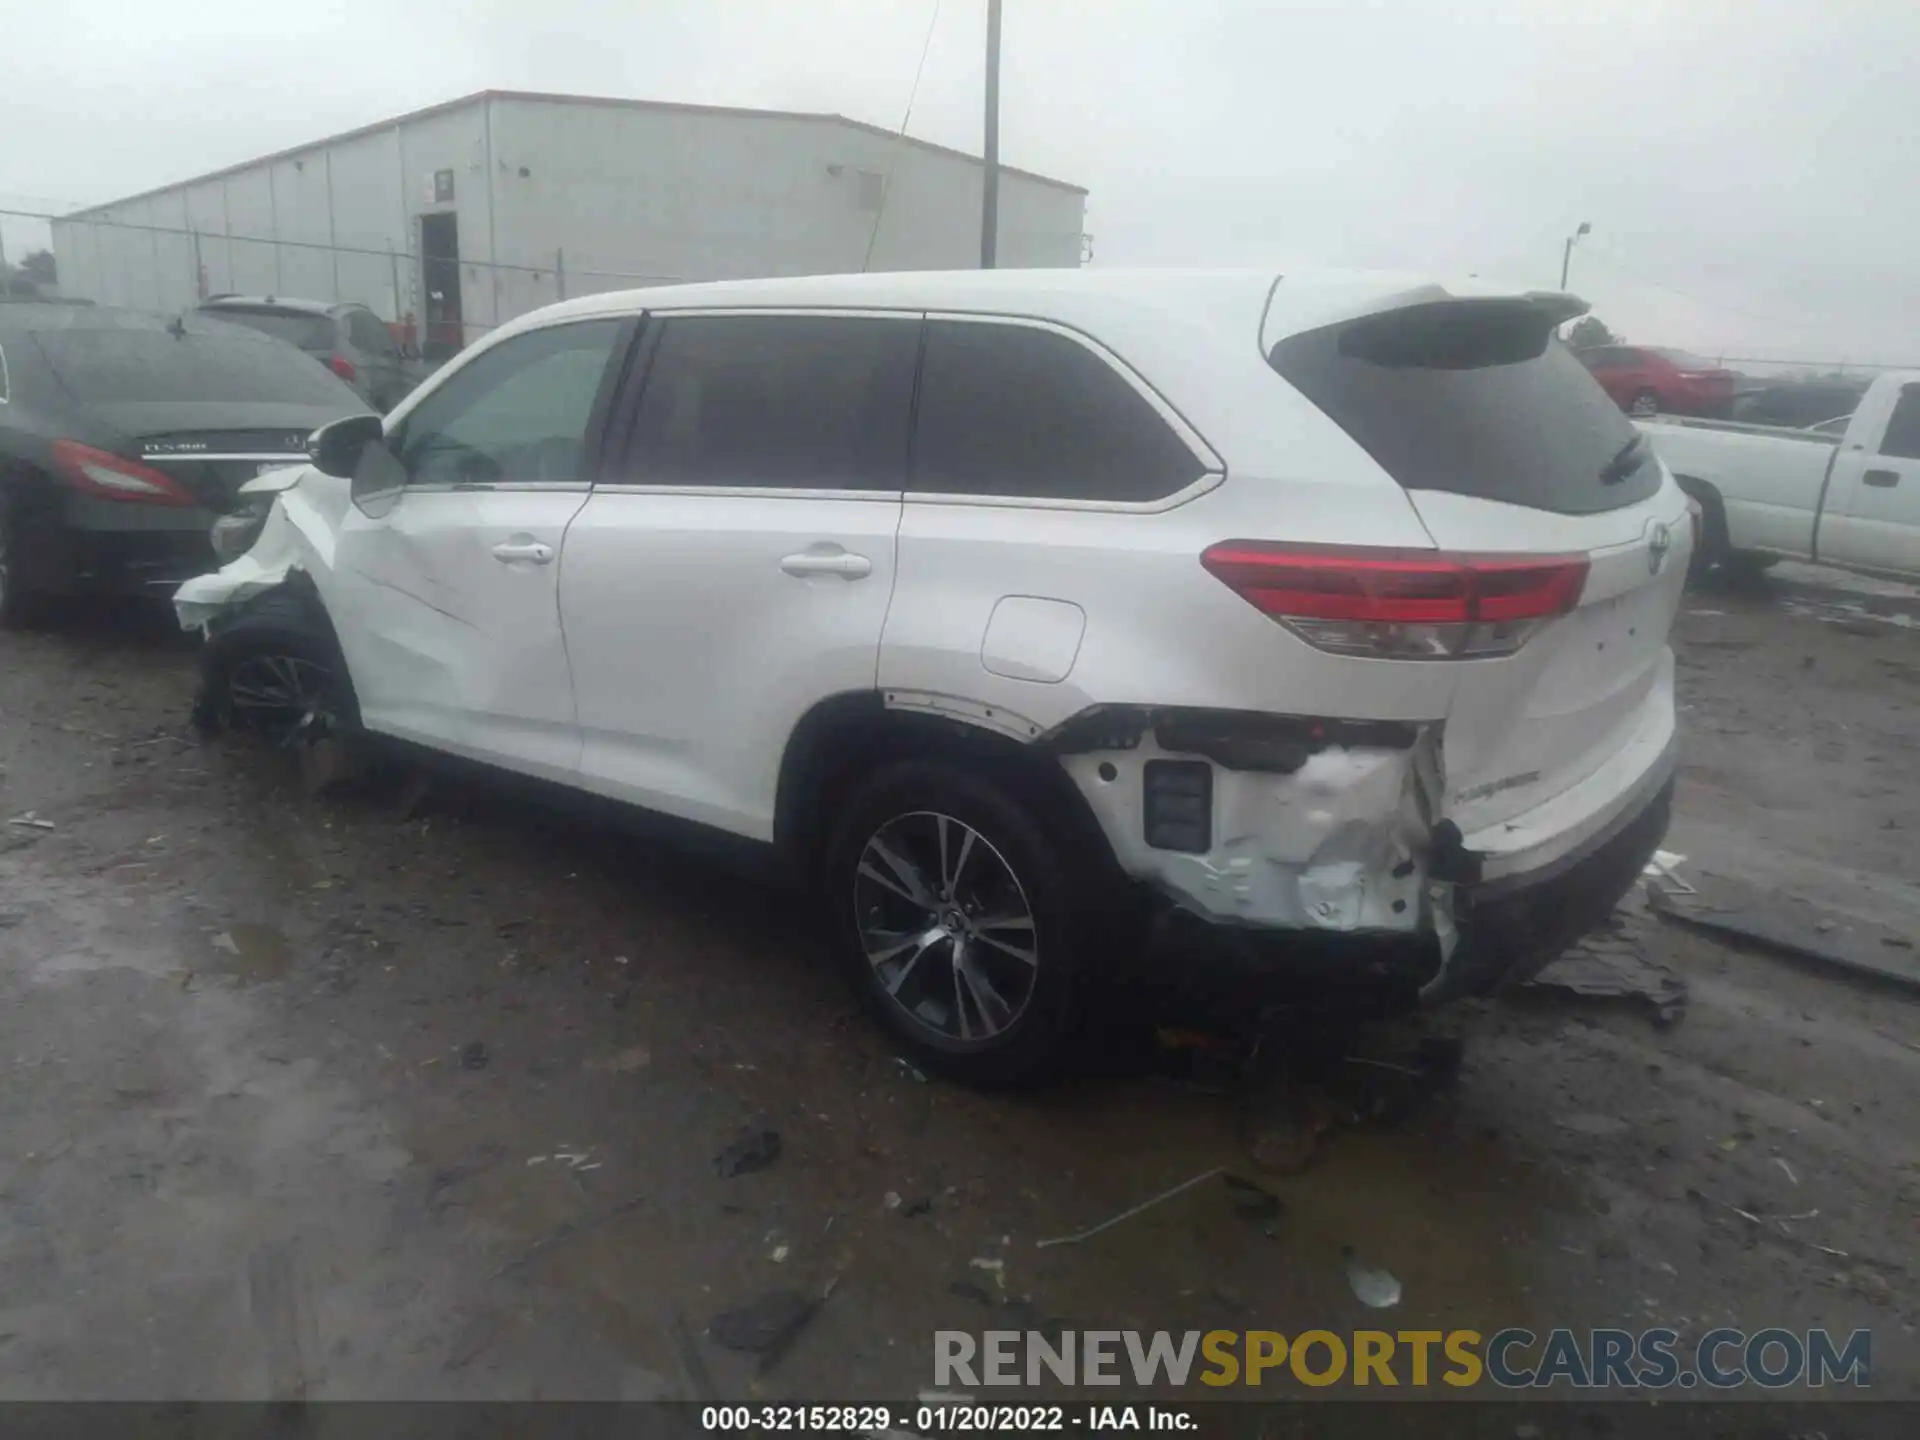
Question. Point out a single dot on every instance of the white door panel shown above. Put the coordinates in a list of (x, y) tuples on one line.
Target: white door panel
[(1872, 517), (453, 643), (703, 627)]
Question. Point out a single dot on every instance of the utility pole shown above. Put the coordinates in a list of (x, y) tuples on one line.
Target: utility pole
[(990, 191), (1566, 255)]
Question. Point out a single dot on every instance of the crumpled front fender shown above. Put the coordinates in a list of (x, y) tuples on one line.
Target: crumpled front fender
[(299, 534)]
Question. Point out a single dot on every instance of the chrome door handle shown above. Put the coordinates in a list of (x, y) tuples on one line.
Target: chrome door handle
[(839, 562), (529, 550)]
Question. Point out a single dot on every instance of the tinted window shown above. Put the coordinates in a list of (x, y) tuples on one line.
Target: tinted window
[(1903, 427), (1472, 398), (366, 331), (1016, 411), (199, 364), (517, 414), (777, 401), (301, 328)]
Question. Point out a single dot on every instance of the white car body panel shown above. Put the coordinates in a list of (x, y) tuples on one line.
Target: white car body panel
[(1801, 494), (667, 652), (700, 637)]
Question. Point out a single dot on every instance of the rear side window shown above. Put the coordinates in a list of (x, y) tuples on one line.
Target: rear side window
[(367, 333), (1015, 411), (816, 402), (1903, 426), (301, 328), (1474, 398)]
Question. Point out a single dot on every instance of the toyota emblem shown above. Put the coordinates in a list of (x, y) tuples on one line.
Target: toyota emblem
[(1659, 541)]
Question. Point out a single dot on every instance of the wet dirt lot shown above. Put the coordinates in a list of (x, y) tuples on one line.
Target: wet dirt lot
[(313, 1097)]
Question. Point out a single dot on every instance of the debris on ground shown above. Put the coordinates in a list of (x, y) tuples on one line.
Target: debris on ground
[(1282, 1142), (1613, 964), (918, 1207), (1794, 929), (765, 1326), (1594, 1125), (911, 1071), (1661, 872), (1252, 1202), (328, 765), (891, 1200), (1376, 1289), (224, 941), (623, 1062), (11, 918), (31, 821), (754, 1150), (1144, 1205), (473, 1055)]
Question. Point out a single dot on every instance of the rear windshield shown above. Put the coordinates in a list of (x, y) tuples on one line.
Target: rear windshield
[(296, 327), (123, 364), (1474, 398)]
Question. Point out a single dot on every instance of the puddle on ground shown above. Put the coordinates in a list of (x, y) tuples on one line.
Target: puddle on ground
[(251, 953)]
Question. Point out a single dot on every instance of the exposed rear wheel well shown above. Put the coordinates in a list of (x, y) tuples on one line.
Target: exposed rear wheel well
[(847, 736), (1713, 516)]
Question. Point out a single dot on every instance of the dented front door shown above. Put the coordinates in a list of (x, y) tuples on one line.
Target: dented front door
[(446, 596)]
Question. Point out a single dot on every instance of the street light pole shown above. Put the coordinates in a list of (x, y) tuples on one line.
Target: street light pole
[(990, 179), (1566, 255)]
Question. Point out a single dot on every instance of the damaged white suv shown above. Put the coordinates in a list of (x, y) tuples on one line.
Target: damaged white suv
[(1323, 617)]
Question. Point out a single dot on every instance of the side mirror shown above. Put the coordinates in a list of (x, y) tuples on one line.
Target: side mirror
[(335, 449)]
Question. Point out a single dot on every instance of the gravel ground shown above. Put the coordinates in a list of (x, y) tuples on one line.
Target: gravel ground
[(308, 1097)]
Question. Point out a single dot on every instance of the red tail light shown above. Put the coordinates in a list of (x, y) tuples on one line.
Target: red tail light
[(1400, 604), (109, 477), (342, 367)]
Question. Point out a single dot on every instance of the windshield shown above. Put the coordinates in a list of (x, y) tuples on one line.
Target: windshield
[(1473, 398), (296, 327), (123, 364)]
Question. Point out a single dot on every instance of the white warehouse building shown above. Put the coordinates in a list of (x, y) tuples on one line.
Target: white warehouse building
[(469, 213)]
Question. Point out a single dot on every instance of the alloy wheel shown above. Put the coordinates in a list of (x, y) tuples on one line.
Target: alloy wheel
[(281, 697), (946, 926)]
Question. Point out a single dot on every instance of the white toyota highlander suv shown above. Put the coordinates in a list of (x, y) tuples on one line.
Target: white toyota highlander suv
[(1319, 621)]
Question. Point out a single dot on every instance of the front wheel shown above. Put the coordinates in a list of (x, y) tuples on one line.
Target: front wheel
[(960, 921), (276, 671), (1645, 404)]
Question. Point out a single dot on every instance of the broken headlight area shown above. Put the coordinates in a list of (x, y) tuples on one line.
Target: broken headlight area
[(234, 534)]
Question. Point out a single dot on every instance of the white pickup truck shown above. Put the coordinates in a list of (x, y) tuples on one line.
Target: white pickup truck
[(1844, 493)]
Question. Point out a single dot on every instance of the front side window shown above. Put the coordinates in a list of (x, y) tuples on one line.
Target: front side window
[(1016, 411), (1903, 426), (517, 415), (817, 402)]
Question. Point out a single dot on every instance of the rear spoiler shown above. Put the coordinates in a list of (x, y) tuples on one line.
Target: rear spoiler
[(1557, 304)]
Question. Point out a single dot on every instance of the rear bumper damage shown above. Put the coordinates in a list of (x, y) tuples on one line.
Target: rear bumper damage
[(1330, 868)]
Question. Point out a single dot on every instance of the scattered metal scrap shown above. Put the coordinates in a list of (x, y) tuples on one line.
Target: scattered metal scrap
[(1613, 964), (1144, 1205), (1792, 928)]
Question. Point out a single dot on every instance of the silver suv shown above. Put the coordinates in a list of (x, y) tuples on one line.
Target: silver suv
[(348, 339)]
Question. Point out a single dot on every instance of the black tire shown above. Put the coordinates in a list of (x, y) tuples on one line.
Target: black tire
[(900, 802), (1713, 527), (20, 608), (283, 636), (1645, 403)]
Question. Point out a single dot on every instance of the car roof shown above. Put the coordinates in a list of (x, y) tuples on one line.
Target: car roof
[(1291, 299), (270, 302), (42, 319)]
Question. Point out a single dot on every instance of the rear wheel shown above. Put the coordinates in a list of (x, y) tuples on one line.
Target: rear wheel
[(276, 671), (961, 921), (1644, 403)]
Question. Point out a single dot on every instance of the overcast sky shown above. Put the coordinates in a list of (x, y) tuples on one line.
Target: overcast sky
[(1749, 167)]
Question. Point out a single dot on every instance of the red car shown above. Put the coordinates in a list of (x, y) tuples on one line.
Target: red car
[(1646, 381)]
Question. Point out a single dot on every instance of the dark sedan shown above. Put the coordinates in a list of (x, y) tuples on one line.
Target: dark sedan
[(123, 436)]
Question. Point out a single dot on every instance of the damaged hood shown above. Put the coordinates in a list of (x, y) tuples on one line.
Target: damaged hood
[(299, 534)]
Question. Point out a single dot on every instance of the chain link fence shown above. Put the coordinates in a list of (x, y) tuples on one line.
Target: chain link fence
[(437, 302)]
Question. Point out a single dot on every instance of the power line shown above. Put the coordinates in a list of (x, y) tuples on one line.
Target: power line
[(1595, 253), (913, 93)]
